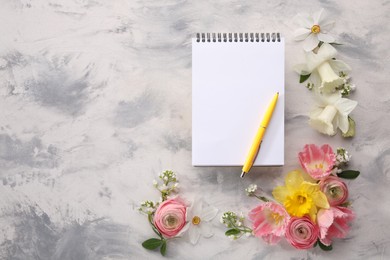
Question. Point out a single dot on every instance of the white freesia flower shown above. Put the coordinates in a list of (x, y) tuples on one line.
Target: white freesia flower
[(199, 217), (324, 69), (313, 30), (332, 113)]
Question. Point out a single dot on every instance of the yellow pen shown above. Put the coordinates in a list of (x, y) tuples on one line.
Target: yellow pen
[(250, 159)]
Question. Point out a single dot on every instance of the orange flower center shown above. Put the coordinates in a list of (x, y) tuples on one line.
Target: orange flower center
[(196, 220), (315, 29)]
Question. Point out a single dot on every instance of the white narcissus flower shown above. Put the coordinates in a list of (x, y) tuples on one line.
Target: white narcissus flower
[(313, 30), (199, 217), (324, 70), (332, 113)]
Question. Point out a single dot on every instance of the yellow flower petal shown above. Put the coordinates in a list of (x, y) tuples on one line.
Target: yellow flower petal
[(310, 187), (294, 180), (280, 193), (320, 200), (313, 214)]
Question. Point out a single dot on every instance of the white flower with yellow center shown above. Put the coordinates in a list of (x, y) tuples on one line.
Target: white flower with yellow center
[(331, 113), (199, 217), (313, 29)]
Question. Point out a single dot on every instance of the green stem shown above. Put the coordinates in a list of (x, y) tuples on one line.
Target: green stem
[(150, 218), (262, 198)]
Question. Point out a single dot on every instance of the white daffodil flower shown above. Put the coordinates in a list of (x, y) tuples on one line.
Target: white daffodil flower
[(324, 70), (199, 217), (331, 113), (313, 30)]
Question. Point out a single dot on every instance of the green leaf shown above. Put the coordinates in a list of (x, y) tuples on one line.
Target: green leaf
[(335, 43), (232, 232), (315, 244), (348, 174), (163, 248), (324, 247), (303, 78), (351, 128), (152, 243)]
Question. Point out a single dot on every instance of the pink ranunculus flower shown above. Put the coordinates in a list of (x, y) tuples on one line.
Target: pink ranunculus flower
[(336, 191), (269, 221), (170, 217), (302, 233), (318, 162), (333, 223)]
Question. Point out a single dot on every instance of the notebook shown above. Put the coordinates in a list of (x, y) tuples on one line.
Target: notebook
[(234, 77)]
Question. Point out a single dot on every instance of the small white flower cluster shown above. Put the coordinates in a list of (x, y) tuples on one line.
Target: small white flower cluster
[(236, 224), (342, 157), (250, 191), (231, 219), (346, 88), (170, 183), (148, 207)]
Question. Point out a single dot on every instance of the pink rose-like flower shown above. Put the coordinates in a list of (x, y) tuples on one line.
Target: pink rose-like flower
[(333, 223), (269, 221), (318, 162), (170, 217), (302, 233), (335, 190)]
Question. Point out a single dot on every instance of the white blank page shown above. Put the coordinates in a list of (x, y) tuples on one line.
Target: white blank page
[(232, 86)]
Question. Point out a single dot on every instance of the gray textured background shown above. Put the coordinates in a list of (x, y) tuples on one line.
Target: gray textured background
[(95, 101)]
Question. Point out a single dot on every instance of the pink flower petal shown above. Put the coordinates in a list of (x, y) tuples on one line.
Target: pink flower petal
[(325, 220), (339, 228)]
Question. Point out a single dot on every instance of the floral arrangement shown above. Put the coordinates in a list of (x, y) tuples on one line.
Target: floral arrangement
[(325, 75), (310, 209), (173, 217)]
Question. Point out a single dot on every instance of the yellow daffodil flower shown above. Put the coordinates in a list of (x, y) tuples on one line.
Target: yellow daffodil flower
[(300, 197)]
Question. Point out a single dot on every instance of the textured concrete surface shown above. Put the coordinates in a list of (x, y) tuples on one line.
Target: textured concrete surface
[(95, 101)]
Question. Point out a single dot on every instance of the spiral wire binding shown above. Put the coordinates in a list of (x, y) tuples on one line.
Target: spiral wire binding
[(238, 37)]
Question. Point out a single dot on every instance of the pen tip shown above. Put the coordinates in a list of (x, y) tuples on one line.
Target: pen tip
[(277, 93), (242, 174)]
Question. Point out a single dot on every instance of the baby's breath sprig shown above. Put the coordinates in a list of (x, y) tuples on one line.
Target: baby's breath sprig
[(342, 157), (346, 88), (170, 183), (236, 226), (148, 207), (252, 191)]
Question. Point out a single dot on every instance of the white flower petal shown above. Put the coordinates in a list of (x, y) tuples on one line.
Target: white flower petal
[(324, 53), (318, 17), (195, 209), (301, 34), (325, 37), (194, 234), (315, 79), (343, 123), (345, 106), (338, 66), (322, 120), (208, 213), (206, 230), (303, 20), (327, 26), (310, 42), (184, 230)]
